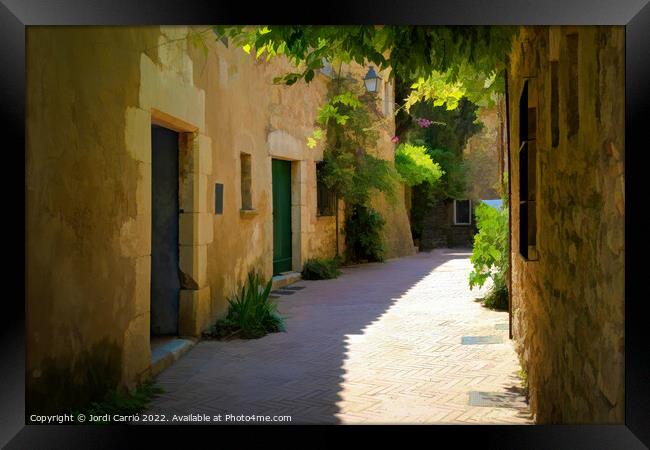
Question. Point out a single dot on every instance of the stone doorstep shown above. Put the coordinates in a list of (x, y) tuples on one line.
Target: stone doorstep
[(166, 352), (284, 279)]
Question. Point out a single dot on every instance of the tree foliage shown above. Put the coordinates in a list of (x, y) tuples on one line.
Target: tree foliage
[(451, 129), (409, 51), (415, 166), (442, 89), (443, 62)]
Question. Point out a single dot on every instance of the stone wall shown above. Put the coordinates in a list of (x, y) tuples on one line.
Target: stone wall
[(439, 230), (92, 95), (481, 156), (568, 306)]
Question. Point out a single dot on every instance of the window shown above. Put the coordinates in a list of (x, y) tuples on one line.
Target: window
[(462, 212), (325, 197), (528, 171), (246, 182)]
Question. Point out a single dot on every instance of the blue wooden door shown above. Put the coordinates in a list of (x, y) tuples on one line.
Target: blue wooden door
[(165, 282), (281, 172)]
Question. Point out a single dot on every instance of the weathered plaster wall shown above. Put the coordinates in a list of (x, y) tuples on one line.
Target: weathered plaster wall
[(568, 307), (81, 194), (92, 96)]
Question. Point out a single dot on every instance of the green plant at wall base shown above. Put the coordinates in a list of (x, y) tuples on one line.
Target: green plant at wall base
[(363, 241), (415, 166), (523, 376), (251, 313), (497, 298), (321, 269), (490, 252), (122, 403)]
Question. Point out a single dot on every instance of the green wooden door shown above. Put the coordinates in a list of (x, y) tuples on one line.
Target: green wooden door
[(281, 216)]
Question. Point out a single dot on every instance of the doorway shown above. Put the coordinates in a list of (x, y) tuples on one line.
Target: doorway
[(282, 252), (165, 282)]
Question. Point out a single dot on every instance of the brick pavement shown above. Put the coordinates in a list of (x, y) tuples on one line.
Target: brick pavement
[(380, 344)]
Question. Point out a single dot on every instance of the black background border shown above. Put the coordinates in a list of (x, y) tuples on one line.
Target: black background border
[(634, 14)]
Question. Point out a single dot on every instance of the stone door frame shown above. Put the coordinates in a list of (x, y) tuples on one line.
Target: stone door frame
[(283, 145), (169, 100)]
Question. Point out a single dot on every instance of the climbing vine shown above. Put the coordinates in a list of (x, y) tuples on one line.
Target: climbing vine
[(347, 125)]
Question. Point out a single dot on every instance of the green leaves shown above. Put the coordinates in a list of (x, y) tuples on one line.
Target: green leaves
[(437, 88), (490, 251), (410, 52), (320, 269), (363, 234), (251, 313), (415, 166)]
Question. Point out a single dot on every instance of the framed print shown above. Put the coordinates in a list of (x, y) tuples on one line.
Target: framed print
[(363, 214)]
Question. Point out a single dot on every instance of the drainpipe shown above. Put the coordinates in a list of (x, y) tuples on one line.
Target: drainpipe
[(509, 207), (336, 214)]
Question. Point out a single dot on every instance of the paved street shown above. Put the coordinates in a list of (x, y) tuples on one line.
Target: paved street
[(383, 343)]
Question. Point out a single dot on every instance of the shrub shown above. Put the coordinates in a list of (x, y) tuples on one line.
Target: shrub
[(490, 254), (363, 240), (251, 314), (320, 269), (497, 298)]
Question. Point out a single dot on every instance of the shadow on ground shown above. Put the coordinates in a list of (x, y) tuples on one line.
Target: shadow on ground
[(298, 372)]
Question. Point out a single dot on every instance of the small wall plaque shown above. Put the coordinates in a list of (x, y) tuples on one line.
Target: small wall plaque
[(218, 198)]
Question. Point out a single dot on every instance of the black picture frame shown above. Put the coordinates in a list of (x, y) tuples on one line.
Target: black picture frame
[(15, 15)]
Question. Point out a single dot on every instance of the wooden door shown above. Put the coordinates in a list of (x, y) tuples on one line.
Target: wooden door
[(281, 172)]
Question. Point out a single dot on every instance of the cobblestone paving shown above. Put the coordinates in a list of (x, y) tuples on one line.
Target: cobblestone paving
[(380, 344)]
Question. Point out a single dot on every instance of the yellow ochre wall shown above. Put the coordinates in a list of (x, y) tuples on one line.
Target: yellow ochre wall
[(92, 95)]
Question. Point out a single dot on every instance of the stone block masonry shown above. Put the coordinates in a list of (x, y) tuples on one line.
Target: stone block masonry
[(568, 305)]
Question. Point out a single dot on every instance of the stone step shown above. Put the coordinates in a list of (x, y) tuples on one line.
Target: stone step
[(165, 351), (284, 279)]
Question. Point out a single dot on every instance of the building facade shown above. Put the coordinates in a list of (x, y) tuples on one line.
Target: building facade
[(566, 89), (158, 176)]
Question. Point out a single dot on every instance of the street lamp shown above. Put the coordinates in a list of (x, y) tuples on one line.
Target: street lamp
[(371, 80)]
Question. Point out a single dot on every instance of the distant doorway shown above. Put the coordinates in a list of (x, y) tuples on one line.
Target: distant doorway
[(165, 282), (281, 174)]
